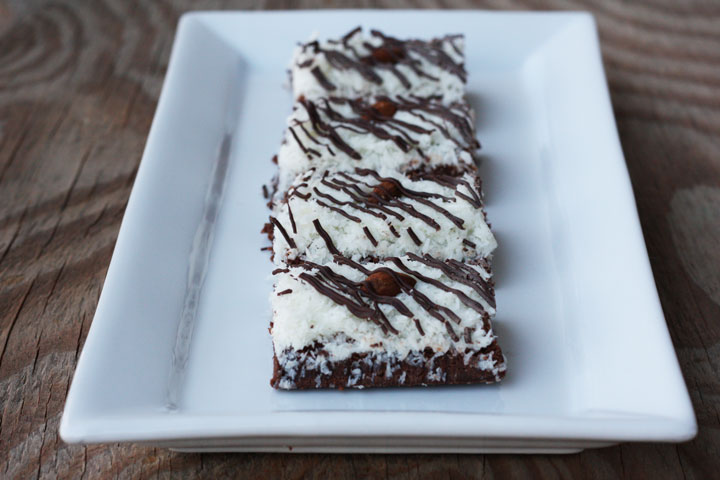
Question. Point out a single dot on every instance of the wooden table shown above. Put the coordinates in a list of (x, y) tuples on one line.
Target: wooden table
[(79, 82)]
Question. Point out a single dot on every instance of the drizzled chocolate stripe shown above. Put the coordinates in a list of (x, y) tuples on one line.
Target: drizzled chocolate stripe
[(368, 122), (364, 303), (483, 287), (365, 119), (350, 34), (327, 196), (450, 181), (476, 196), (385, 59), (468, 334), (469, 302), (370, 237), (340, 260), (420, 197), (425, 303), (367, 172), (314, 140), (407, 208), (380, 203), (356, 308), (322, 79), (457, 114), (354, 192), (432, 308), (386, 56), (451, 332), (461, 273), (384, 318), (328, 241), (451, 40), (284, 233), (355, 205), (326, 130), (344, 291), (343, 62), (304, 196), (414, 237), (340, 211), (305, 150), (292, 219), (431, 51)]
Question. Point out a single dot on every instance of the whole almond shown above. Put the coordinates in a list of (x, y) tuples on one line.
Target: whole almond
[(385, 190), (387, 54), (382, 283), (385, 108)]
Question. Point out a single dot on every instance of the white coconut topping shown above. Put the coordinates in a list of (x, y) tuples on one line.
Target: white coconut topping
[(302, 316), (430, 147), (312, 198), (425, 80)]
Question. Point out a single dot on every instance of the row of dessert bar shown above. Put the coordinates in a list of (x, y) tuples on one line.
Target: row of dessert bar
[(379, 234)]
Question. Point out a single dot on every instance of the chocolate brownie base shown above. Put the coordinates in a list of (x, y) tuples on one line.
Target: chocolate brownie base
[(365, 370)]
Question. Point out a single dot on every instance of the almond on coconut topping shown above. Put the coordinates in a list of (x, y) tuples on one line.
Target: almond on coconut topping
[(385, 190), (385, 108), (382, 283), (387, 54)]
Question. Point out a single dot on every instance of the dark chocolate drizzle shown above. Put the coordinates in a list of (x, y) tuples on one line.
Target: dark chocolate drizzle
[(388, 55), (327, 122), (284, 233), (419, 327), (370, 237), (322, 79), (460, 272), (306, 151), (467, 333), (450, 181), (364, 303), (362, 185), (328, 241), (292, 219), (414, 237)]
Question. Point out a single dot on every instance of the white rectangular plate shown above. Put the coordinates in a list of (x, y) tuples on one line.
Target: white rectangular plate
[(590, 359)]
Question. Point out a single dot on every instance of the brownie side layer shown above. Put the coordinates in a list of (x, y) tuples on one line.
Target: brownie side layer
[(366, 370)]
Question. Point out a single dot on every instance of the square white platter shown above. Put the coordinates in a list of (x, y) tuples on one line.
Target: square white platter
[(179, 353)]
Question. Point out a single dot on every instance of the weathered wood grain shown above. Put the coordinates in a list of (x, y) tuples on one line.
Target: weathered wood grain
[(78, 85)]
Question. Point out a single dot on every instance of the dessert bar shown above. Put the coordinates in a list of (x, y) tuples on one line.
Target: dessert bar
[(364, 214), (411, 320)]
